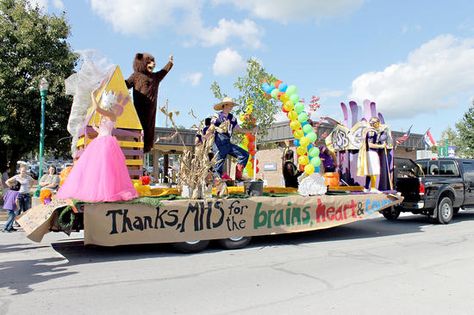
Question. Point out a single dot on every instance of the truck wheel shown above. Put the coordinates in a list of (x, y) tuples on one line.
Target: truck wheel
[(191, 246), (235, 242), (391, 213), (445, 210)]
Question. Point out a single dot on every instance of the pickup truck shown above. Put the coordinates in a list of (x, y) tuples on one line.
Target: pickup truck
[(437, 188)]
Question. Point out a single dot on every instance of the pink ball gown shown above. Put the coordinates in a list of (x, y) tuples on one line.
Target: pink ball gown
[(100, 174)]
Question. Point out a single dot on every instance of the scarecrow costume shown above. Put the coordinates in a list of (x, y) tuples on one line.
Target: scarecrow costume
[(223, 124)]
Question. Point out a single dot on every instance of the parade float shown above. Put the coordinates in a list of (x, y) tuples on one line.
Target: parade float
[(190, 221)]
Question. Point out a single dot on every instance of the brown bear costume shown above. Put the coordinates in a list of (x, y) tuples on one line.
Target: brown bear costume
[(145, 85)]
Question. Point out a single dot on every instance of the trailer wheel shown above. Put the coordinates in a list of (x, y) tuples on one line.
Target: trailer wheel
[(191, 246), (235, 242), (445, 210), (391, 213)]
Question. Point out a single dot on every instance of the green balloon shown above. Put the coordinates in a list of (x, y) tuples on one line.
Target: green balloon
[(308, 128), (295, 98), (302, 117), (313, 152), (291, 90), (312, 136), (299, 107), (274, 93), (315, 161)]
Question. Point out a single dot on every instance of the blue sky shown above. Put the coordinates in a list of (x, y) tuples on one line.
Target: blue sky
[(415, 59)]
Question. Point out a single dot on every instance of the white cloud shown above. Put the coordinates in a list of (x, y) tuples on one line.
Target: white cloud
[(288, 11), (57, 4), (247, 31), (39, 3), (228, 62), (428, 80), (194, 78), (144, 16), (183, 16)]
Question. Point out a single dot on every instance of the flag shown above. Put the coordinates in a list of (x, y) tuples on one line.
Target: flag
[(428, 139), (405, 137)]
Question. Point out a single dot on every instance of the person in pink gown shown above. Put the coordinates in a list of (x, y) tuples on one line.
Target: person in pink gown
[(100, 174)]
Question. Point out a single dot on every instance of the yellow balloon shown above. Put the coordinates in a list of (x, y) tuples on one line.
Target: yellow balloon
[(309, 169), (294, 125), (284, 98), (299, 134), (304, 141), (289, 106), (242, 117), (303, 160), (245, 141), (301, 150), (292, 115)]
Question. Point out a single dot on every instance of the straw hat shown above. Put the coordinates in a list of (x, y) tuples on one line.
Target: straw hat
[(225, 101)]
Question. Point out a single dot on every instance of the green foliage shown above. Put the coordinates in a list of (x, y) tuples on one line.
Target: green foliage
[(33, 45), (453, 138), (249, 88), (465, 129)]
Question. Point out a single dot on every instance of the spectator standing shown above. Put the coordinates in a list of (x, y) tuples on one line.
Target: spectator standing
[(26, 181)]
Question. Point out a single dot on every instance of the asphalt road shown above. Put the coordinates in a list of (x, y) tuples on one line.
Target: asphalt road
[(369, 267)]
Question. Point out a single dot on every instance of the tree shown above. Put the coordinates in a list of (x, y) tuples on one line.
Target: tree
[(452, 136), (33, 45), (465, 129), (249, 87)]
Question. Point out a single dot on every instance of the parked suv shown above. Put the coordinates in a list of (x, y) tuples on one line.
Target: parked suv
[(434, 187)]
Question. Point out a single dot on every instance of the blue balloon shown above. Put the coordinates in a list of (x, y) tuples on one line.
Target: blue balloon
[(317, 169), (282, 87), (304, 123), (296, 142), (310, 146), (266, 87)]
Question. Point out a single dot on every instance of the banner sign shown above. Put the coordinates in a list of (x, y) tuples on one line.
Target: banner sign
[(111, 224)]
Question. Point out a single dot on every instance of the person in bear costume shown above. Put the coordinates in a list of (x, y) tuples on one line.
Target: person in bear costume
[(145, 85)]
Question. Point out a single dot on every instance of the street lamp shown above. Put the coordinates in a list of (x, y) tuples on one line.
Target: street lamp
[(43, 87)]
